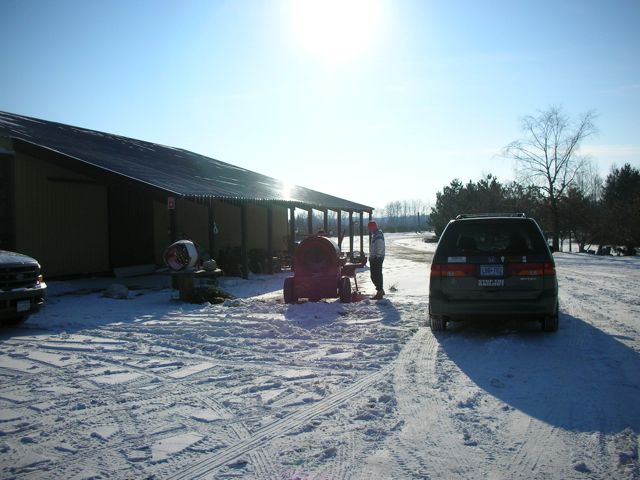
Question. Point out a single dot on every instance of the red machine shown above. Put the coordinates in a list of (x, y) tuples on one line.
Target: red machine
[(320, 272)]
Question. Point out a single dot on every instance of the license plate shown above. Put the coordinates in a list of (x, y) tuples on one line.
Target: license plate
[(491, 282), (23, 305), (491, 270)]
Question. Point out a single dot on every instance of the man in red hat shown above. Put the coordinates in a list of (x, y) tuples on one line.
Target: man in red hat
[(376, 257)]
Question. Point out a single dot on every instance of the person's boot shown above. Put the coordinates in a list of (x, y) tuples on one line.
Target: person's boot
[(379, 294)]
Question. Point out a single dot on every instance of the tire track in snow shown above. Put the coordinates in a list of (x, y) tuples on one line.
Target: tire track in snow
[(427, 431), (136, 432), (536, 446), (131, 428), (261, 458), (278, 428), (346, 458), (339, 464), (410, 402)]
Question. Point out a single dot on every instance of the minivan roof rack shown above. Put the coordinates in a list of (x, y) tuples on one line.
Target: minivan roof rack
[(476, 215)]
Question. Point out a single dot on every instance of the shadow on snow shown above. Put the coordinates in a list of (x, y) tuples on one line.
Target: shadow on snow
[(322, 313), (579, 378)]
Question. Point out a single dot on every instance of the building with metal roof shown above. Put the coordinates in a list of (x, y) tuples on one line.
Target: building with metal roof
[(84, 201)]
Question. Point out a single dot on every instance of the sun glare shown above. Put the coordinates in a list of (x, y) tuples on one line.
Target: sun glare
[(335, 30), (286, 190)]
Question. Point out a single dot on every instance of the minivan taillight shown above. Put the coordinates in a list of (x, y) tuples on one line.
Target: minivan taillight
[(452, 269), (531, 269), (549, 269), (436, 268), (526, 269)]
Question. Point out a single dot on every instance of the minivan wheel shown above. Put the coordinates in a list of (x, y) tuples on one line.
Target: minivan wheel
[(437, 324), (550, 323)]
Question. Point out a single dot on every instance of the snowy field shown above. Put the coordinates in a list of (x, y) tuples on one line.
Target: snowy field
[(253, 388)]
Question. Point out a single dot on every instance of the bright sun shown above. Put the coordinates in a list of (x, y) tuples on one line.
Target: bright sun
[(335, 30)]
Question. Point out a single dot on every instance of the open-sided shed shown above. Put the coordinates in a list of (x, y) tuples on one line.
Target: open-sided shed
[(83, 201)]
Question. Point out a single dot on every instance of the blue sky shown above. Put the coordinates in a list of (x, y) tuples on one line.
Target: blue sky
[(373, 101)]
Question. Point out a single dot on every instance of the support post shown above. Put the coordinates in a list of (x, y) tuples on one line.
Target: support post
[(243, 248), (292, 230), (171, 229), (212, 230), (310, 221), (339, 228), (351, 233), (361, 232), (270, 239)]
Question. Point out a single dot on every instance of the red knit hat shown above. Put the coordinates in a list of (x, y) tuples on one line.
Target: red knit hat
[(372, 225)]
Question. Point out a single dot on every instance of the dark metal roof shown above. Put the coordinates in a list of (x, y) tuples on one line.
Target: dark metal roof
[(172, 170)]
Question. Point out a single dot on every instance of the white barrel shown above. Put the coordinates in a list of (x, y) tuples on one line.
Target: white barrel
[(181, 255)]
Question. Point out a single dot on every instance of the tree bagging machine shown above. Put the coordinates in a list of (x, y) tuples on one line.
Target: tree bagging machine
[(320, 271)]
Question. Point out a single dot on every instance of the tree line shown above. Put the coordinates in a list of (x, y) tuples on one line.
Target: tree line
[(590, 211), (398, 216), (404, 216)]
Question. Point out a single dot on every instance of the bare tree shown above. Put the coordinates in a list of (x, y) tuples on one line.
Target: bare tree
[(589, 182), (548, 157)]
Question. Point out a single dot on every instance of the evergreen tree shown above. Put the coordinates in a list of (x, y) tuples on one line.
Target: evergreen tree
[(621, 207)]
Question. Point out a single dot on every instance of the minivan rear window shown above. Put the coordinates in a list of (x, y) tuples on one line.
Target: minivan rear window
[(492, 238)]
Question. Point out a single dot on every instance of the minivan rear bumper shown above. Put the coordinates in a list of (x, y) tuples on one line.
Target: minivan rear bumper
[(439, 305)]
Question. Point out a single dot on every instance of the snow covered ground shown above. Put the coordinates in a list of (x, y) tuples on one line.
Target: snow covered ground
[(253, 388)]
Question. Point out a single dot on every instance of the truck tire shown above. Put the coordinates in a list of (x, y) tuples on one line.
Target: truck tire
[(289, 291), (344, 289)]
